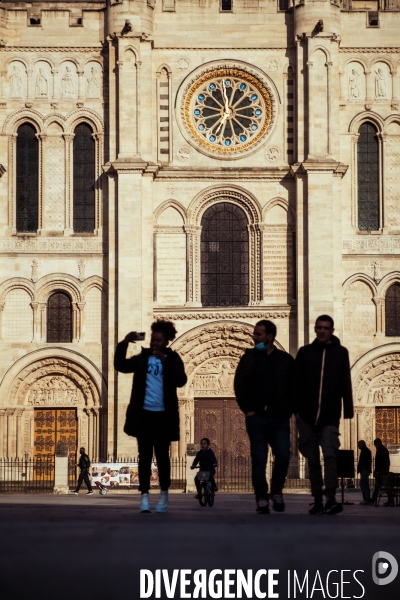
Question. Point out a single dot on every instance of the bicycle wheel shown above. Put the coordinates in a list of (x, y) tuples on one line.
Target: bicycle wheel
[(210, 496), (203, 494)]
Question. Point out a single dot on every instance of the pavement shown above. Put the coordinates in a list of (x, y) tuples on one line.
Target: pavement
[(55, 547)]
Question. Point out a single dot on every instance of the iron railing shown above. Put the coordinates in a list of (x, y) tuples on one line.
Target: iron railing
[(29, 475)]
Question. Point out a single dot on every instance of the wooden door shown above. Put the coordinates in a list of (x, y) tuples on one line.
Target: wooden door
[(50, 427), (387, 424), (223, 423)]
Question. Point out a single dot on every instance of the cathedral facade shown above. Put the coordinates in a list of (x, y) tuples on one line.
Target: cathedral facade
[(209, 162)]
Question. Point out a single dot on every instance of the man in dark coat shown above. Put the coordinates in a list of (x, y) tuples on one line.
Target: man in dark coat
[(322, 382), (264, 391), (364, 468), (382, 466), (83, 464)]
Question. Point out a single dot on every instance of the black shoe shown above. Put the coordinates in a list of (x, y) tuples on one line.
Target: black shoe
[(317, 508), (278, 505), (262, 506), (332, 507), (89, 493)]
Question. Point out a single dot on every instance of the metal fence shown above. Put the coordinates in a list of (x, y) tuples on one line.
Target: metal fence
[(28, 475)]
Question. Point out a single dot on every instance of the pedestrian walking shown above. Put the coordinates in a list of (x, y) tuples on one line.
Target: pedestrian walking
[(382, 466), (83, 464), (264, 392), (322, 382), (364, 468), (153, 414)]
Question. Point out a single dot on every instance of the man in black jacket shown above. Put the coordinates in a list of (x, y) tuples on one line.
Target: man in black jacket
[(263, 386), (364, 467), (322, 381), (84, 464), (382, 466)]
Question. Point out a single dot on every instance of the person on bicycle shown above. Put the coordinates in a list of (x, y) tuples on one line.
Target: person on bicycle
[(208, 462)]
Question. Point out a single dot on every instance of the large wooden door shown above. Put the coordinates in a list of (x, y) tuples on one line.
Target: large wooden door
[(223, 423), (387, 424), (50, 427)]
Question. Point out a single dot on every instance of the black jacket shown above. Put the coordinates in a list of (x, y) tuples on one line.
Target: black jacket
[(206, 458), (322, 380), (84, 462), (365, 460), (382, 460), (248, 387), (173, 376)]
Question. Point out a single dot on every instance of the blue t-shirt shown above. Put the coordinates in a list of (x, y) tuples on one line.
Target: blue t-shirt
[(154, 396)]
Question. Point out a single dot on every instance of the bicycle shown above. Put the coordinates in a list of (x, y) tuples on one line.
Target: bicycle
[(206, 493)]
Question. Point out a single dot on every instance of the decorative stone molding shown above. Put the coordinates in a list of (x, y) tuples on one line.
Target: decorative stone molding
[(182, 316), (371, 244), (53, 246), (379, 381)]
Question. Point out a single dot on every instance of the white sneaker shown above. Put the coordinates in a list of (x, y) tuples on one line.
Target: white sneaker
[(162, 504), (145, 504)]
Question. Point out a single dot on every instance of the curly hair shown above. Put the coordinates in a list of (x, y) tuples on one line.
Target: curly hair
[(167, 328)]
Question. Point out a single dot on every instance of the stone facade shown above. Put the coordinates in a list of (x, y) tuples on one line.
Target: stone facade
[(133, 71)]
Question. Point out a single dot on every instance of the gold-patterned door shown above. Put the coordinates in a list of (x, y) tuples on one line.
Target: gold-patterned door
[(223, 423), (50, 427), (387, 424)]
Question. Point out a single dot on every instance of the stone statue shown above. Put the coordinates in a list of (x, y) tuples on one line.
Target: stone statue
[(68, 87), (380, 84), (16, 83), (354, 84), (41, 84), (93, 86)]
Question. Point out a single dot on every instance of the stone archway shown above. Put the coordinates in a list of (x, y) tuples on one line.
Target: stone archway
[(44, 391), (376, 391)]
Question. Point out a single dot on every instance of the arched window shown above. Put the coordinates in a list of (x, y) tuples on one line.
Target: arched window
[(224, 256), (27, 179), (368, 178), (392, 311), (84, 179), (59, 318)]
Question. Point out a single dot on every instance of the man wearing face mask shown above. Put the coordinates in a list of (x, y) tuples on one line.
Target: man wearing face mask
[(264, 391)]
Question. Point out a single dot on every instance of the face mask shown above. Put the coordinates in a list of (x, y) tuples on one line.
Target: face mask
[(260, 346)]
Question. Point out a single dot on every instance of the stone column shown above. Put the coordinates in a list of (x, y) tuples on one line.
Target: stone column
[(10, 434), (42, 321), (19, 440), (55, 96), (395, 89), (12, 191), (2, 305), (99, 141), (29, 91), (370, 91), (69, 174), (81, 87), (193, 238), (3, 433), (42, 182), (75, 321), (36, 322), (80, 320)]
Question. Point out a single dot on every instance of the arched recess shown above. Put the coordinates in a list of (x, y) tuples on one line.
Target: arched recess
[(360, 315), (278, 243), (376, 393), (95, 310), (251, 207), (210, 353), (57, 283), (164, 113), (50, 379), (320, 102), (16, 315), (362, 173), (169, 243)]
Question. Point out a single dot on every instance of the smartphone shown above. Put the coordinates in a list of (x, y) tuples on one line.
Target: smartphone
[(140, 336)]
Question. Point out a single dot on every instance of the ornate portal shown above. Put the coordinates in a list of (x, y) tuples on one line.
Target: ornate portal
[(227, 110)]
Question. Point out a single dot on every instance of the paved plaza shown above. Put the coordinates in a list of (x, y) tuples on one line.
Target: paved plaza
[(93, 547)]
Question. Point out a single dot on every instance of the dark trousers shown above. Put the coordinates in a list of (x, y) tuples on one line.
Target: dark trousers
[(364, 485), (153, 437), (311, 438), (264, 432), (83, 476)]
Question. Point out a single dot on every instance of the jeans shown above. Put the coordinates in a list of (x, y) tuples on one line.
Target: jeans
[(364, 485), (311, 437), (153, 435), (83, 476), (264, 432)]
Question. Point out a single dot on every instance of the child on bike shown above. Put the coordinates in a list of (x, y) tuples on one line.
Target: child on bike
[(208, 462)]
